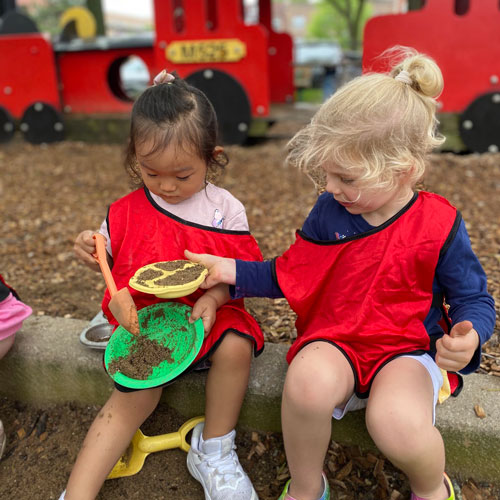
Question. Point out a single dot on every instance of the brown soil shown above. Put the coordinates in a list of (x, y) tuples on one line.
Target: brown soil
[(42, 444), (98, 334), (182, 277), (48, 194), (144, 355), (148, 274), (182, 274), (149, 349)]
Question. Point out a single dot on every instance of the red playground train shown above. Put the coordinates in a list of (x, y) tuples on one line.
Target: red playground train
[(463, 36), (242, 68)]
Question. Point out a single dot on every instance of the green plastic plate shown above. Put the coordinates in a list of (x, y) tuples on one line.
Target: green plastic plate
[(166, 322)]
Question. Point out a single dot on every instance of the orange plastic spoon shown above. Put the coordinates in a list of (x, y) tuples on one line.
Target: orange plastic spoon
[(121, 304)]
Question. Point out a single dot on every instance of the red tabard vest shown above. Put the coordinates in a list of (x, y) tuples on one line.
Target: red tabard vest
[(368, 294), (142, 233)]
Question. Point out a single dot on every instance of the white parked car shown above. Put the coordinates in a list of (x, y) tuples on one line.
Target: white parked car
[(317, 53)]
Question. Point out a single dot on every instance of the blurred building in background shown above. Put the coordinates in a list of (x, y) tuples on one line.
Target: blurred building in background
[(288, 16), (293, 18)]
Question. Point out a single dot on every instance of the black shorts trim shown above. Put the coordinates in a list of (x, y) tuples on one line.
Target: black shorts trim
[(366, 394)]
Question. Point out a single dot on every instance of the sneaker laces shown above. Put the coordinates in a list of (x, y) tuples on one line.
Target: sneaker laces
[(227, 466)]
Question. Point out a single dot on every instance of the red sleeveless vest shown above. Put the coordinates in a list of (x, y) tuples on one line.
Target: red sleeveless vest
[(368, 294), (142, 233)]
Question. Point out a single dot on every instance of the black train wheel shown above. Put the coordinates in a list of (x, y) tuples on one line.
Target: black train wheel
[(229, 100), (480, 124), (7, 126), (41, 122)]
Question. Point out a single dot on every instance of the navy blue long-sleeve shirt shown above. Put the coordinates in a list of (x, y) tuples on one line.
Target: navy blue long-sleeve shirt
[(459, 275)]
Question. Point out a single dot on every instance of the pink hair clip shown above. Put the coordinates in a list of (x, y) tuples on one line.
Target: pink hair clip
[(163, 77)]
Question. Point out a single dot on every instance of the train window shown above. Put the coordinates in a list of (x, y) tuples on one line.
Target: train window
[(250, 13), (178, 11), (462, 7), (416, 4), (211, 7), (128, 77)]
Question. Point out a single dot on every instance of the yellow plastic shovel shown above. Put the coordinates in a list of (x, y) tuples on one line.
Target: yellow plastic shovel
[(132, 460)]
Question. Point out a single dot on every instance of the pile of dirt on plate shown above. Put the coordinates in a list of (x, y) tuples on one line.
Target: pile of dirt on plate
[(158, 331), (169, 273), (145, 354)]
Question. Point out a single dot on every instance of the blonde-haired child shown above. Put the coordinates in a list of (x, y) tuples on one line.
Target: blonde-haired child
[(362, 275)]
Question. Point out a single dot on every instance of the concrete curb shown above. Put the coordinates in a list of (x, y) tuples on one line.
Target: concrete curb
[(49, 365)]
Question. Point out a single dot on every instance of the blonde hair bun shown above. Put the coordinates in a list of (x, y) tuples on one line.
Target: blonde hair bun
[(423, 71)]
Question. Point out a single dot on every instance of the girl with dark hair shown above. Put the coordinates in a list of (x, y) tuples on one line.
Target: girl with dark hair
[(172, 148)]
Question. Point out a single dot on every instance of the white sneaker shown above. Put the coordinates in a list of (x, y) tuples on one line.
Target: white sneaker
[(218, 469)]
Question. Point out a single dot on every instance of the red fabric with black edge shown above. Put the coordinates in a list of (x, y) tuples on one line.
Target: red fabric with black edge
[(6, 289), (142, 233), (368, 294)]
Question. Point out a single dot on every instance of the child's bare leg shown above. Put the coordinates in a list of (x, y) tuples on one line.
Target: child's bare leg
[(226, 385), (5, 345), (107, 439), (399, 419), (318, 380), (212, 459)]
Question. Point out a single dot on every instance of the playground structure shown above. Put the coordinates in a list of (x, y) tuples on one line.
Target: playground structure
[(463, 38), (241, 68)]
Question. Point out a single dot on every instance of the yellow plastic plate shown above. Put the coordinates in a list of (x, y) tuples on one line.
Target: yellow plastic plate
[(152, 278)]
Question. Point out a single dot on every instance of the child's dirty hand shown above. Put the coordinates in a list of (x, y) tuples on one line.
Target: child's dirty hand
[(220, 269), (84, 247), (454, 351), (205, 308)]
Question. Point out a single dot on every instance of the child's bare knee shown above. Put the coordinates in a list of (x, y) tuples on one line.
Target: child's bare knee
[(311, 394), (395, 430), (234, 349)]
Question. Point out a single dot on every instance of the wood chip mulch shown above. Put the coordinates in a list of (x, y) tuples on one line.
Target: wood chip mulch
[(48, 194)]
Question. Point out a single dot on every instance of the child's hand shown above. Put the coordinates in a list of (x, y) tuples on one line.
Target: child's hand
[(220, 269), (84, 247), (205, 308), (454, 351)]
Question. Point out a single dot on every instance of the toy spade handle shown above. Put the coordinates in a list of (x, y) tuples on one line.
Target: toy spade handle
[(100, 257), (185, 428), (150, 444)]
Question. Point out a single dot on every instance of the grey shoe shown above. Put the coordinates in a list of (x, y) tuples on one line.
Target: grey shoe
[(3, 439)]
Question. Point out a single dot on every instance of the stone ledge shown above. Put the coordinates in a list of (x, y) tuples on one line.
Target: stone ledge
[(48, 365)]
